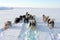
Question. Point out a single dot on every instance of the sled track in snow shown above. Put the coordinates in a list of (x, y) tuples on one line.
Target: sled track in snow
[(41, 26)]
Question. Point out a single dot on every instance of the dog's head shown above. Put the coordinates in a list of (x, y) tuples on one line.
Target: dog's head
[(7, 23)]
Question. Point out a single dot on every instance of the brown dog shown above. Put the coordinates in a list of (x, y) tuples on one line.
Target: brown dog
[(45, 18), (7, 25)]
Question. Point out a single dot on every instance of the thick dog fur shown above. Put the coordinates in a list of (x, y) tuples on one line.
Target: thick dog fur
[(7, 25), (32, 24), (50, 23), (45, 18), (17, 20)]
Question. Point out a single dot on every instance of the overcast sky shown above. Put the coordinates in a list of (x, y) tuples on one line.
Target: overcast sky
[(30, 3)]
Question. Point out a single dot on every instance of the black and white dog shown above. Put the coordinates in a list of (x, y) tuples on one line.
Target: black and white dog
[(50, 23), (26, 17), (32, 24)]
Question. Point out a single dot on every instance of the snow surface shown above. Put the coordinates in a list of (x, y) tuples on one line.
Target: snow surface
[(21, 30)]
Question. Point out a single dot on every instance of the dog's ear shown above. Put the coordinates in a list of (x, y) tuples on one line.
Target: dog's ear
[(43, 15)]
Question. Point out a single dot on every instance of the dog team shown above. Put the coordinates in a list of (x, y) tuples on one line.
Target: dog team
[(28, 18)]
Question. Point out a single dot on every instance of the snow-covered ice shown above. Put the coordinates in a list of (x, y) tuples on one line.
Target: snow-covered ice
[(21, 30)]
